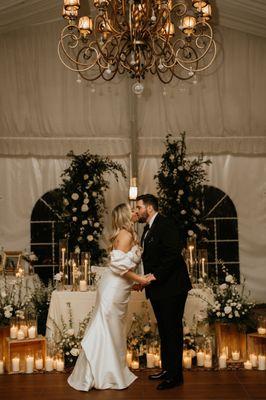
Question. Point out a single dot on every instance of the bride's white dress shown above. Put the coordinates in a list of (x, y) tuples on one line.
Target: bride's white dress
[(102, 360)]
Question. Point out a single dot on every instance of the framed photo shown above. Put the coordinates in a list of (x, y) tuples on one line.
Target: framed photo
[(11, 261)]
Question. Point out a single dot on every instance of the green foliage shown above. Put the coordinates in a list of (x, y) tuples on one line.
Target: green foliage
[(80, 204), (180, 186)]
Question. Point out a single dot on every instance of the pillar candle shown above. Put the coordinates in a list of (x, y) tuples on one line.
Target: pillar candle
[(261, 362), (135, 365), (200, 358), (187, 361), (150, 360), (208, 361), (222, 361), (261, 331), (39, 363), (129, 358), (83, 285), (29, 364), (156, 360), (32, 332), (20, 335), (60, 365), (15, 364), (1, 367), (49, 363), (248, 365), (24, 328), (254, 360), (202, 265), (235, 355), (13, 332)]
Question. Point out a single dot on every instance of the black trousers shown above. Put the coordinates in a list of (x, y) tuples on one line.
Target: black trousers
[(169, 313)]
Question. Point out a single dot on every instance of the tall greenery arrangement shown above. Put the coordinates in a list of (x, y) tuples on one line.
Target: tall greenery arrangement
[(81, 204), (180, 186)]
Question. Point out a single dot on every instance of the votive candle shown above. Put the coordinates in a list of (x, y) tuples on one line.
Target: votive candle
[(208, 361), (15, 364), (254, 360), (49, 363), (222, 361), (29, 364), (20, 335), (150, 360), (32, 332), (235, 355), (13, 332), (261, 362), (39, 363), (200, 358), (248, 364)]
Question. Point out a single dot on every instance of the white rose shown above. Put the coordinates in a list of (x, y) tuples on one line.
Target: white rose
[(74, 196), (186, 330), (146, 328), (96, 224), (223, 286), (218, 314), (230, 315), (94, 194), (84, 208), (172, 157), (85, 177), (229, 278), (183, 212), (180, 192), (84, 222), (74, 209), (77, 250), (74, 219), (227, 309), (180, 168), (86, 201), (8, 314), (190, 232), (237, 314), (90, 238), (65, 202), (197, 212), (74, 352), (70, 332), (3, 294)]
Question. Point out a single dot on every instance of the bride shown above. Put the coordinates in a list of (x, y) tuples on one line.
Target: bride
[(102, 360)]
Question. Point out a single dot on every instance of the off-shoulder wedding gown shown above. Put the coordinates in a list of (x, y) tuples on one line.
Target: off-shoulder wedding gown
[(102, 360)]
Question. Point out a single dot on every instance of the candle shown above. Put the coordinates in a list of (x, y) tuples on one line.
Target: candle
[(24, 328), (49, 363), (150, 360), (20, 334), (202, 265), (156, 360), (13, 332), (190, 254), (187, 361), (225, 351), (63, 256), (1, 367), (254, 359), (222, 361), (129, 358), (248, 365), (29, 364), (208, 361), (261, 362), (261, 331), (15, 364), (235, 355), (60, 365), (200, 358), (135, 365), (32, 332), (82, 285), (86, 269), (39, 363)]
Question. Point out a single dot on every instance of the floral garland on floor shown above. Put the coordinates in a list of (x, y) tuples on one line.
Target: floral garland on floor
[(179, 186), (80, 202)]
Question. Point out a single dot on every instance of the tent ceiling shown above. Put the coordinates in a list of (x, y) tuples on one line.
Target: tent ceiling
[(244, 15)]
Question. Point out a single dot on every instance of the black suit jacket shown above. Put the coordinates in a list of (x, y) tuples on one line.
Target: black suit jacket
[(162, 257)]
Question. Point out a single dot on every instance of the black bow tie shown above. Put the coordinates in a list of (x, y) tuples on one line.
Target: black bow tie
[(145, 230)]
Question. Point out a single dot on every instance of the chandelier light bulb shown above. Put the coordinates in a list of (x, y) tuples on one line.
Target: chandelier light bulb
[(71, 4), (207, 12)]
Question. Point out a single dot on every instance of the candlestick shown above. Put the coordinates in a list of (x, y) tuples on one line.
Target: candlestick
[(235, 355), (261, 362), (13, 332), (1, 367), (248, 364), (222, 361), (150, 360), (15, 364), (29, 364), (200, 358)]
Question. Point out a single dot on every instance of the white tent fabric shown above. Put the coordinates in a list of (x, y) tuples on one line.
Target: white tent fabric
[(25, 180), (41, 102)]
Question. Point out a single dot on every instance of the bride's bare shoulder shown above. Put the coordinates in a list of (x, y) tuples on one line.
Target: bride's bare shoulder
[(123, 240)]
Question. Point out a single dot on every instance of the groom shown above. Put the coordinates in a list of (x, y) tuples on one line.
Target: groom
[(168, 292)]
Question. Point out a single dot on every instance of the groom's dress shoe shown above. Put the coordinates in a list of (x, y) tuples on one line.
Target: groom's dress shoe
[(160, 375), (169, 384)]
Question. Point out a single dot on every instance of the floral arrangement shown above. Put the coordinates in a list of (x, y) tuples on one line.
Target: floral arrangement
[(40, 300), (29, 256), (66, 341), (80, 202), (231, 303), (179, 187), (13, 301)]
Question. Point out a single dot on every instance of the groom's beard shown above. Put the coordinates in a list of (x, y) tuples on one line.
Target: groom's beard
[(143, 218)]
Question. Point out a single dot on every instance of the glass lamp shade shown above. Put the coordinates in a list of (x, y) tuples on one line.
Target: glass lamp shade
[(169, 29), (188, 23), (199, 4), (71, 4), (207, 12), (85, 25), (133, 192)]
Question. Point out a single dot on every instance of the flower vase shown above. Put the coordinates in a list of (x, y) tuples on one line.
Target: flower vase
[(70, 361)]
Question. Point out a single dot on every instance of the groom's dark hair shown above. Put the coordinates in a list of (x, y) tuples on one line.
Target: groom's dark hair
[(149, 199)]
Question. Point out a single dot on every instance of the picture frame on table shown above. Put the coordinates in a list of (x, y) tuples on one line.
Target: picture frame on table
[(11, 261)]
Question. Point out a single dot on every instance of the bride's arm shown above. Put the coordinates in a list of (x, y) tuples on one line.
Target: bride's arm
[(142, 279)]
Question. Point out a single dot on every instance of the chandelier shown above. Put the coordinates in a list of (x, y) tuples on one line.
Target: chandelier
[(166, 38)]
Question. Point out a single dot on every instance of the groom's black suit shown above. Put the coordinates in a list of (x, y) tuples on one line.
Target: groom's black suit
[(162, 258)]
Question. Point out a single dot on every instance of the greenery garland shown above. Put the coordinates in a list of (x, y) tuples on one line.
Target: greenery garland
[(80, 200), (179, 186)]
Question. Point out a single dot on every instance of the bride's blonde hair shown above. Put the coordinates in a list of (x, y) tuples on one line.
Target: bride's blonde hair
[(121, 219)]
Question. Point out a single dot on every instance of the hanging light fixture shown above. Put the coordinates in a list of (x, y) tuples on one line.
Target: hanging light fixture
[(133, 189), (166, 38)]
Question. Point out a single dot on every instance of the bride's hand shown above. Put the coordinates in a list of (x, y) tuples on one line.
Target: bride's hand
[(145, 280)]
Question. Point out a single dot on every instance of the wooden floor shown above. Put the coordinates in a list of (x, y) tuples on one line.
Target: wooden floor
[(199, 385)]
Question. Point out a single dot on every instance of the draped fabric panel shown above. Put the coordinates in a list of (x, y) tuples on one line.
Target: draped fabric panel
[(25, 180), (45, 112)]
